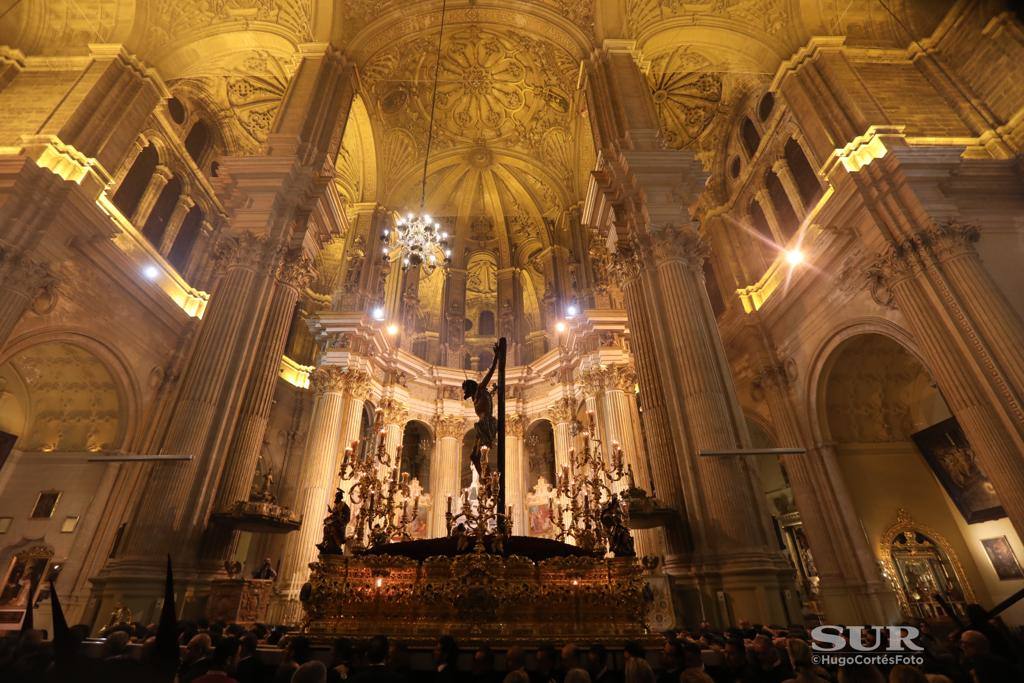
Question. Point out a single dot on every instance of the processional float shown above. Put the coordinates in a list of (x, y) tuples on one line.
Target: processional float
[(481, 582)]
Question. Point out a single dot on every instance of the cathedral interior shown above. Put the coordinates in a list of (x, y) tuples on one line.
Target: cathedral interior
[(761, 256)]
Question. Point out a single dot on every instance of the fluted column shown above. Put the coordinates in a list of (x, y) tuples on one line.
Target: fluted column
[(972, 342), (161, 176), (621, 431), (21, 281), (316, 483), (516, 473), (240, 466), (851, 587), (562, 415), (172, 506), (445, 470), (393, 418), (177, 217), (785, 175), (357, 388), (768, 209)]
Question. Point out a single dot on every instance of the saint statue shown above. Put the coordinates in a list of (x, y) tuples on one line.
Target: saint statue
[(486, 427), (620, 541), (334, 526)]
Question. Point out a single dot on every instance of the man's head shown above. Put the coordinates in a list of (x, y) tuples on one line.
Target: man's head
[(597, 657), (569, 657), (117, 643), (310, 672), (225, 654), (672, 655), (469, 388), (974, 643), (546, 656)]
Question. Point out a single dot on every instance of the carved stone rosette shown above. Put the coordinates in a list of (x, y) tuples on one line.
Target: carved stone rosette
[(449, 426)]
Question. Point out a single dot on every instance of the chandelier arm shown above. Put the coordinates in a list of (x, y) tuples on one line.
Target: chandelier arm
[(433, 103)]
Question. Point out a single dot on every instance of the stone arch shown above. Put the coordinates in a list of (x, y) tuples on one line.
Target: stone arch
[(104, 365), (417, 448), (539, 449)]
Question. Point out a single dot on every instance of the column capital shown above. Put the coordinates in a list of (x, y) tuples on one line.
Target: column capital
[(392, 412), (327, 379), (449, 426), (562, 411), (672, 243), (296, 270), (162, 175), (22, 274), (247, 250), (515, 425)]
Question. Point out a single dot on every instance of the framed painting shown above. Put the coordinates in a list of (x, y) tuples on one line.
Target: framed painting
[(21, 582), (1004, 560), (949, 455)]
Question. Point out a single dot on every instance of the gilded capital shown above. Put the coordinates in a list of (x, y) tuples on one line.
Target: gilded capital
[(621, 377), (562, 411), (515, 425), (626, 262), (326, 379), (392, 412), (449, 426), (358, 383)]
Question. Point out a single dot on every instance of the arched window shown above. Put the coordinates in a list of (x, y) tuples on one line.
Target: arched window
[(749, 136), (186, 238), (765, 106), (788, 222), (177, 110), (485, 324), (198, 142), (806, 179), (416, 449), (156, 223), (129, 194)]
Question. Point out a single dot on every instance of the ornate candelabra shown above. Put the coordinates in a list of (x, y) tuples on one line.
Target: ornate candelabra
[(584, 491), (480, 517), (381, 493)]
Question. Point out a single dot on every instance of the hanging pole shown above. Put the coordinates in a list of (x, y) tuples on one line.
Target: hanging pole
[(502, 346)]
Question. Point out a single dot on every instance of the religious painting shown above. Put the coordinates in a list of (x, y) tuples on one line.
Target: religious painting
[(540, 521), (950, 456), (23, 579), (1003, 559), (418, 527)]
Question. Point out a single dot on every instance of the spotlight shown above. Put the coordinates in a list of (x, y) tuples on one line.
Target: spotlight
[(392, 329), (560, 327), (794, 257), (151, 272), (572, 310), (378, 313)]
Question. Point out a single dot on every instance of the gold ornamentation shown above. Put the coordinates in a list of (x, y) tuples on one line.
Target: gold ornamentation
[(686, 90), (672, 243), (327, 378), (515, 425), (449, 426), (297, 270), (392, 412), (562, 411)]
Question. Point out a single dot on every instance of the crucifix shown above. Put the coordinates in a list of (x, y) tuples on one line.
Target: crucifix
[(490, 431)]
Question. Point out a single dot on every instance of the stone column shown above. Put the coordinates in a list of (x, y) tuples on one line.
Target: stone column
[(21, 281), (357, 387), (177, 217), (314, 490), (562, 415), (972, 342), (293, 276), (161, 176), (138, 144), (445, 470), (621, 430), (768, 209), (393, 418), (173, 504), (785, 175), (516, 473), (852, 589)]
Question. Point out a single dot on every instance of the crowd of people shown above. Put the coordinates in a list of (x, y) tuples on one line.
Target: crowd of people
[(221, 653)]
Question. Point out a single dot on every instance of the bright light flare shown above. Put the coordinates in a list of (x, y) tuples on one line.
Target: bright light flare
[(392, 329), (794, 257), (560, 327)]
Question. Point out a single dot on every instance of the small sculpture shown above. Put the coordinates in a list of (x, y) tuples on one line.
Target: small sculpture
[(334, 526), (233, 568), (486, 427), (266, 570), (620, 541)]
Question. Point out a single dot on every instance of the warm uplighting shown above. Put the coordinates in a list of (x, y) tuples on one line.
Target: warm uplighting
[(560, 327), (151, 272), (794, 257), (392, 329)]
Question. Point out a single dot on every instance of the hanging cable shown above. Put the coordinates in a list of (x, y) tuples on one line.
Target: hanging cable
[(433, 103)]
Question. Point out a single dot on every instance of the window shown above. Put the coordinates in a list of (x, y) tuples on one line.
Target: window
[(69, 524), (197, 142), (749, 136), (788, 222), (805, 176), (130, 192), (156, 223), (765, 106), (45, 504), (485, 324), (177, 110), (186, 239)]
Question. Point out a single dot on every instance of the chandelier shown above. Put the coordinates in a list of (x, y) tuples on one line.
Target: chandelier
[(418, 237)]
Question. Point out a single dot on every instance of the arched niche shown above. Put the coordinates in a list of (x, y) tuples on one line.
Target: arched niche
[(417, 449), (60, 397), (129, 192), (539, 446), (466, 467)]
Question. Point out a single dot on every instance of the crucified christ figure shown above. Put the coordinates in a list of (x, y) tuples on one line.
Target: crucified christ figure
[(486, 426)]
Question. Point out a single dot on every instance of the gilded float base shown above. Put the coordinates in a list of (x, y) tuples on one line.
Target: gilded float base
[(477, 597)]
